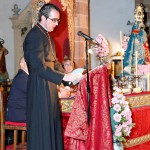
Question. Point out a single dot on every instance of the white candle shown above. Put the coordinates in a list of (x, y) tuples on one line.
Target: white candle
[(148, 82), (121, 52), (122, 65), (121, 41), (136, 63)]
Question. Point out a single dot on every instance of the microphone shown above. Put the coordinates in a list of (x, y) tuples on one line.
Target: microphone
[(80, 33), (67, 83)]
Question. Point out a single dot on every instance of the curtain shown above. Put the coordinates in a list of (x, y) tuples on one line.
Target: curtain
[(63, 35)]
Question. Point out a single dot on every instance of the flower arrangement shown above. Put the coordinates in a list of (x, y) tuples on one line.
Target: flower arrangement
[(122, 115), (102, 50)]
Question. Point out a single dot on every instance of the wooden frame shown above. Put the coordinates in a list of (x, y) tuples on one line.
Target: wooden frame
[(10, 127)]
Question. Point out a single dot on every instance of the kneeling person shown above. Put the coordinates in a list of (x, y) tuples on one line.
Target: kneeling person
[(16, 104)]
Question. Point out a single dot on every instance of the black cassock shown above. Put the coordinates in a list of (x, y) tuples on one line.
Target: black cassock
[(43, 111)]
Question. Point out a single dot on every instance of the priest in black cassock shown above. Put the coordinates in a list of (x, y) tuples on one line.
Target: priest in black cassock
[(43, 111)]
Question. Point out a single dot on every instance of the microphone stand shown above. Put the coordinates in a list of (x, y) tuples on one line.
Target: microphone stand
[(88, 82)]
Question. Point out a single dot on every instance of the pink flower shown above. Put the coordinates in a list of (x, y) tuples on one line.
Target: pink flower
[(118, 133), (124, 113), (118, 128), (122, 116), (129, 121), (117, 107), (126, 129), (124, 124), (117, 117), (127, 109), (124, 103), (114, 100), (118, 90), (117, 95), (102, 50)]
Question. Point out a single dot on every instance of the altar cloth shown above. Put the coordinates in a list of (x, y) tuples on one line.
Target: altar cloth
[(140, 134), (98, 134)]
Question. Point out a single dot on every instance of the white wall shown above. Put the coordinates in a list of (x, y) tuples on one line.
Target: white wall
[(109, 17), (6, 31)]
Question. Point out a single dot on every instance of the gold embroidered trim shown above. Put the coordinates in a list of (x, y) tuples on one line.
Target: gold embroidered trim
[(71, 30), (36, 6), (66, 105), (138, 100), (137, 141)]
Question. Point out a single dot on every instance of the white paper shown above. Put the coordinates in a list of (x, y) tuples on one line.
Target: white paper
[(78, 70)]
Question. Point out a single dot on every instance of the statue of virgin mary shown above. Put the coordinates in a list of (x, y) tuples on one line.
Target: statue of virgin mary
[(137, 44)]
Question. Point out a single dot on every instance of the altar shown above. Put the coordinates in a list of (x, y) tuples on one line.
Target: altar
[(140, 135), (139, 103), (78, 132)]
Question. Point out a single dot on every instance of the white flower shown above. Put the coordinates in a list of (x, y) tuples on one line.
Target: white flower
[(117, 117), (117, 107), (114, 100), (122, 116)]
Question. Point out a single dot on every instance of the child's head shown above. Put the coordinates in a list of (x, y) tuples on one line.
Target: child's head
[(68, 65)]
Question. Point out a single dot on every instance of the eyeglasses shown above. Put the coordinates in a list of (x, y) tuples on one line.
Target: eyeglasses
[(68, 65), (55, 20)]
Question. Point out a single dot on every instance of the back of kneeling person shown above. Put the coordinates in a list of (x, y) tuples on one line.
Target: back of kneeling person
[(16, 103)]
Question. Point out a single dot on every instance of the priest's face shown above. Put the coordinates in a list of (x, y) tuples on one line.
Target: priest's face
[(52, 21)]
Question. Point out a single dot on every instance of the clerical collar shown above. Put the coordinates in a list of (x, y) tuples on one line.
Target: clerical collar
[(43, 27)]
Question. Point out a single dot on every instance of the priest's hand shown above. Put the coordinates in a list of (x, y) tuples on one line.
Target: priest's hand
[(64, 92)]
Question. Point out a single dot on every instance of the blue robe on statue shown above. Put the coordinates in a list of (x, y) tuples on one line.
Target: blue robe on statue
[(136, 43)]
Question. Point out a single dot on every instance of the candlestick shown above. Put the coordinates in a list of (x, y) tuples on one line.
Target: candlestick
[(113, 69), (136, 68), (122, 66)]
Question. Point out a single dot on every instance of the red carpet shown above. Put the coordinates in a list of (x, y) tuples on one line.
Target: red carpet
[(10, 147), (145, 146)]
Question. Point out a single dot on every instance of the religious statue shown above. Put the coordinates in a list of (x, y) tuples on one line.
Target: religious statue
[(138, 50), (16, 10), (3, 71)]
